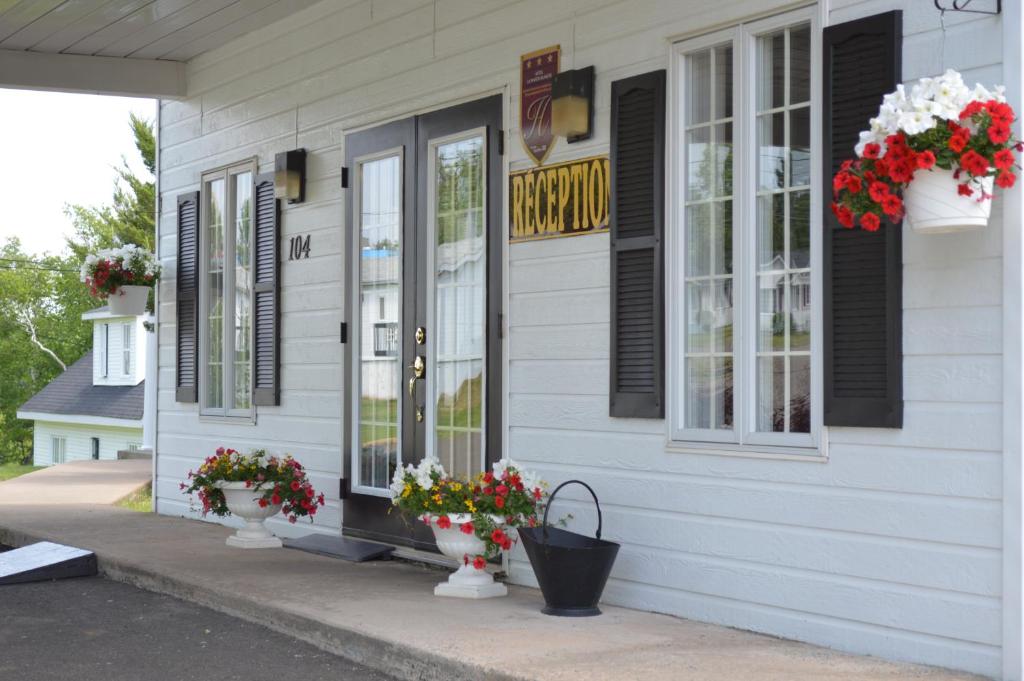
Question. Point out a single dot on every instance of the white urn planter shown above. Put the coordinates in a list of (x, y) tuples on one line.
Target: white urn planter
[(467, 581), (243, 502), (934, 207), (128, 300)]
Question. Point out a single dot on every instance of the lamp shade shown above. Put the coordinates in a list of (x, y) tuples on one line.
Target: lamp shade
[(572, 104), (290, 176)]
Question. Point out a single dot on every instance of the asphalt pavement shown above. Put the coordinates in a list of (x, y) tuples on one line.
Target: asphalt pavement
[(93, 629)]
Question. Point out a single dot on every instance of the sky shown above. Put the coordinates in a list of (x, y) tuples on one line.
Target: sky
[(58, 149)]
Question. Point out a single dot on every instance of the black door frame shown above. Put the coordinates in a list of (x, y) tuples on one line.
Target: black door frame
[(370, 516)]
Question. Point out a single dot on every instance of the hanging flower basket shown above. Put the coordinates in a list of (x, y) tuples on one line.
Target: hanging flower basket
[(933, 155), (121, 276)]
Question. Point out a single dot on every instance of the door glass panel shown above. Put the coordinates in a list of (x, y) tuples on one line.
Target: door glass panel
[(380, 304), (215, 296), (243, 292), (460, 268)]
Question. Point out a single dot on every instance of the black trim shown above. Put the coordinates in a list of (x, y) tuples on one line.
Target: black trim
[(187, 300), (636, 225), (863, 271)]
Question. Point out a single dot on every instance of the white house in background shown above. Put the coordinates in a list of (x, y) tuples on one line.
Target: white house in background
[(793, 429), (94, 409)]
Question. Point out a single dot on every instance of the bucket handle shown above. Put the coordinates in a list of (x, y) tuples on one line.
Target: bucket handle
[(551, 500)]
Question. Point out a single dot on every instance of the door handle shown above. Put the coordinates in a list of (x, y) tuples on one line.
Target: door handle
[(419, 370)]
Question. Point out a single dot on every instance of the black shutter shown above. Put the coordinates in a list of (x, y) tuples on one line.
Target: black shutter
[(636, 223), (863, 275), (266, 284), (187, 299)]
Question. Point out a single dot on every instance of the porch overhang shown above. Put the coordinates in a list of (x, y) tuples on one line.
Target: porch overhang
[(154, 78)]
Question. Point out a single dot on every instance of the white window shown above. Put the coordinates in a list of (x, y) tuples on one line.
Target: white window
[(58, 449), (126, 349), (226, 291), (105, 351), (745, 264)]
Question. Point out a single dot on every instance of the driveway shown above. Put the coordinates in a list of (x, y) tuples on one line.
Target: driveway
[(97, 630)]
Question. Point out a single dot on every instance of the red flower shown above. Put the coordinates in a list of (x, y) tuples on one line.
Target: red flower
[(292, 519), (466, 527), (488, 491), (305, 504), (974, 163), (959, 139), (444, 522), (877, 191), (507, 544), (998, 133), (964, 189), (488, 477), (263, 503), (839, 181), (220, 450), (872, 150), (1004, 159), (1005, 179), (499, 502), (971, 109), (275, 499), (925, 160), (870, 222), (497, 535), (853, 184), (882, 167), (296, 486), (892, 205), (309, 492), (479, 563), (502, 490), (1000, 112), (538, 494), (532, 522)]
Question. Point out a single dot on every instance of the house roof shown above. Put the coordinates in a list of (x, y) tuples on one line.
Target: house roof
[(73, 394)]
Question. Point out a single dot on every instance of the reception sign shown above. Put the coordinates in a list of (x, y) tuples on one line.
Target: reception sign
[(537, 70), (564, 199)]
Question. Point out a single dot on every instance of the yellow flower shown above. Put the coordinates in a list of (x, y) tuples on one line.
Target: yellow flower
[(437, 498), (407, 491), (456, 486), (470, 505)]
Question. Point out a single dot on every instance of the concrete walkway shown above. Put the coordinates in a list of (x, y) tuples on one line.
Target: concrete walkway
[(384, 615), (78, 482)]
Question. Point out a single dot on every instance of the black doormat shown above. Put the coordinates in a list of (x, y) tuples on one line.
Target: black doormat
[(45, 561), (354, 550)]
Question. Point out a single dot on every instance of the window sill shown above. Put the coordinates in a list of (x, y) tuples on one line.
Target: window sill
[(249, 420), (819, 455)]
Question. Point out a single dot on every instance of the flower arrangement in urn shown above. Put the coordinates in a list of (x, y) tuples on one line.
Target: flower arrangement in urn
[(472, 520), (254, 487), (121, 276), (941, 146)]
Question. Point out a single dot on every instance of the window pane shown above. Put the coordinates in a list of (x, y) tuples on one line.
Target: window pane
[(771, 232), (771, 66), (800, 229), (722, 220), (800, 147), (243, 290), (800, 394), (771, 320), (700, 162), (698, 88), (380, 278), (800, 311), (723, 82), (215, 294), (698, 389), (800, 64), (723, 159), (698, 240), (771, 394), (771, 145), (723, 393), (721, 315), (700, 314)]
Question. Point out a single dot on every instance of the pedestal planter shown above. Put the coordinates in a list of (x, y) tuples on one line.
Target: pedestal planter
[(243, 502), (934, 207), (129, 300), (467, 581), (571, 568)]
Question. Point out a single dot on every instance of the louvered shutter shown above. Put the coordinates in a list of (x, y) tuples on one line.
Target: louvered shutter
[(187, 299), (637, 225), (266, 285), (863, 276)]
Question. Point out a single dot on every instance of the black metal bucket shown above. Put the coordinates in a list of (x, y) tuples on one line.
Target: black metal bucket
[(571, 568)]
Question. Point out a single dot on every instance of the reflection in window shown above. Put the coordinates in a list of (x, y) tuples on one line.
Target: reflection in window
[(460, 295), (380, 295), (708, 268)]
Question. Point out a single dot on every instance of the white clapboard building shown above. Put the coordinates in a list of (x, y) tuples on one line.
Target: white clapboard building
[(793, 429)]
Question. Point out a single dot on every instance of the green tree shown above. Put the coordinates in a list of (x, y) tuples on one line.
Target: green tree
[(130, 218)]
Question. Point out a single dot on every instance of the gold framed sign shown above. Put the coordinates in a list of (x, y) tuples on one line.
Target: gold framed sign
[(536, 72), (562, 199)]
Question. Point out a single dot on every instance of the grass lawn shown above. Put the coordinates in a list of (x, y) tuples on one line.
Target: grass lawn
[(141, 501), (13, 470)]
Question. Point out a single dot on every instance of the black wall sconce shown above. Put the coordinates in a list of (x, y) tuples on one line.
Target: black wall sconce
[(572, 104), (290, 175), (962, 5)]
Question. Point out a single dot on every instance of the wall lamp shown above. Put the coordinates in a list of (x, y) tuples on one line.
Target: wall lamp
[(290, 175), (572, 104)]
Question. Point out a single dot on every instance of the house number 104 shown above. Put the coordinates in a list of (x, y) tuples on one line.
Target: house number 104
[(298, 247)]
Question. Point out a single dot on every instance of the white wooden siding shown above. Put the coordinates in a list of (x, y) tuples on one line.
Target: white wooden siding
[(79, 440), (891, 547)]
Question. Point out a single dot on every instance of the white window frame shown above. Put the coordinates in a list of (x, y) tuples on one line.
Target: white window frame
[(58, 443), (744, 438), (228, 364), (105, 356), (357, 299), (126, 349)]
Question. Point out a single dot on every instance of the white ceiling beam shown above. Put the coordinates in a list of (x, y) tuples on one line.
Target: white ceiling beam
[(95, 75)]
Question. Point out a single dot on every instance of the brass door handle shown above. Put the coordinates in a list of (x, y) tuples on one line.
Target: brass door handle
[(419, 367), (412, 387)]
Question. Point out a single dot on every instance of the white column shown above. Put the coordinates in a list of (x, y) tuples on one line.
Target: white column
[(1013, 367)]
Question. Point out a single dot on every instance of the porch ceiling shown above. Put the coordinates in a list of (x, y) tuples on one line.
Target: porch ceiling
[(128, 47)]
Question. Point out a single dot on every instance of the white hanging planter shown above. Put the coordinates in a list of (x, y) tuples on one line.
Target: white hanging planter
[(128, 300), (243, 502), (933, 205), (467, 581)]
